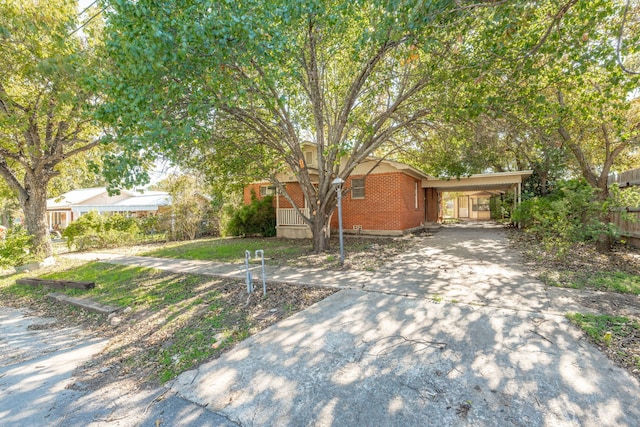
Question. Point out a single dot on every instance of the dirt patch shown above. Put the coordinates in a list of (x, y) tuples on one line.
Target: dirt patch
[(147, 347), (363, 253), (612, 303), (582, 262), (581, 258)]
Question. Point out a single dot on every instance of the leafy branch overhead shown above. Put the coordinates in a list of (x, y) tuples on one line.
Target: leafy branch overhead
[(239, 86)]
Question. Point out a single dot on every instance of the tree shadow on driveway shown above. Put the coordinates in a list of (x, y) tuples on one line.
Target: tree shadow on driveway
[(362, 358)]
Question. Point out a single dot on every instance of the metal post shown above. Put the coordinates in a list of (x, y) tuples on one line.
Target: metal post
[(338, 183), (247, 257), (260, 252), (519, 198)]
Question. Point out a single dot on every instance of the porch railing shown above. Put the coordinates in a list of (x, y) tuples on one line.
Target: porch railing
[(289, 216)]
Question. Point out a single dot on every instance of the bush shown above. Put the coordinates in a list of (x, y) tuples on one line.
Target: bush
[(16, 248), (568, 215), (257, 218), (148, 224), (501, 206), (95, 231), (188, 220)]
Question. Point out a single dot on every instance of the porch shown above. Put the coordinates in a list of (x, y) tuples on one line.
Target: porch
[(290, 225)]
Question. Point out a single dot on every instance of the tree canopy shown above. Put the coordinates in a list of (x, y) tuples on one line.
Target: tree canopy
[(234, 88), (44, 102), (241, 85)]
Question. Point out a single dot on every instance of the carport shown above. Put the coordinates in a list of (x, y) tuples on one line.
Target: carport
[(479, 185)]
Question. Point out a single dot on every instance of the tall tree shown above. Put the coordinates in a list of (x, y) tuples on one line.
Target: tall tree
[(8, 205), (247, 82), (573, 92), (44, 107), (556, 96)]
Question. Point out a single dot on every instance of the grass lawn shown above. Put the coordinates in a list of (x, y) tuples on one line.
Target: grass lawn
[(608, 281), (172, 322), (361, 253), (618, 336), (230, 250)]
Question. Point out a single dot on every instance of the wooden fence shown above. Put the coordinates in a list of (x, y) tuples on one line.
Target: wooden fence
[(628, 222)]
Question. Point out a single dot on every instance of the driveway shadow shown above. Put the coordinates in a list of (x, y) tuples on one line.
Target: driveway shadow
[(363, 358), (471, 264)]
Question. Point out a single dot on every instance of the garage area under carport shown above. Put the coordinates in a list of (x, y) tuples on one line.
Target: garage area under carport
[(471, 193)]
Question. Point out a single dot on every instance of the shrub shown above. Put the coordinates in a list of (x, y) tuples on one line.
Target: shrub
[(501, 206), (568, 215), (94, 231), (148, 224), (257, 218), (16, 248), (188, 220), (117, 222)]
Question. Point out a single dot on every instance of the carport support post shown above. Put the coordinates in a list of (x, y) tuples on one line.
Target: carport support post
[(338, 184), (519, 198)]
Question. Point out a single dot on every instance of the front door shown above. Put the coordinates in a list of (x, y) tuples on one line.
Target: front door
[(463, 207)]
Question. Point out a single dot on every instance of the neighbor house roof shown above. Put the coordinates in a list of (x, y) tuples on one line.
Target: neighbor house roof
[(88, 199), (75, 197), (158, 198)]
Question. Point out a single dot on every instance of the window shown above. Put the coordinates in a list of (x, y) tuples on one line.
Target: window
[(357, 188), (480, 204), (416, 194), (308, 157), (267, 190)]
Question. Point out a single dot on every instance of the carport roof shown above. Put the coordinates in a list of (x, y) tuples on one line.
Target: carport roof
[(499, 181)]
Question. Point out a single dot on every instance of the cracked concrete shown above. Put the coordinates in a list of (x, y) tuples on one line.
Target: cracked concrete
[(365, 358), (453, 332), (37, 386)]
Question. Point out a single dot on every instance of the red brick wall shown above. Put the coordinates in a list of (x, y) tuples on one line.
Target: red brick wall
[(389, 204), (247, 192), (294, 190)]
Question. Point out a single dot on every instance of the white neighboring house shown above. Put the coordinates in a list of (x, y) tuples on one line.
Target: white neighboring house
[(63, 210)]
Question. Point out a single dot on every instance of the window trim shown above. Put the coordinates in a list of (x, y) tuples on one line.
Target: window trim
[(269, 190), (475, 205), (355, 188)]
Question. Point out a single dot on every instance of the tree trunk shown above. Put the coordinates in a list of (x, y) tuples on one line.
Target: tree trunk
[(320, 232), (543, 182), (34, 206), (603, 242)]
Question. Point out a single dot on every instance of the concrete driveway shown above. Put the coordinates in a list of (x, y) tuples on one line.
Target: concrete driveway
[(453, 333), (38, 361), (471, 263)]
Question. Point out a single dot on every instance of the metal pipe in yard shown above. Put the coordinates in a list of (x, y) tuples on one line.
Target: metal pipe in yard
[(249, 279), (260, 252)]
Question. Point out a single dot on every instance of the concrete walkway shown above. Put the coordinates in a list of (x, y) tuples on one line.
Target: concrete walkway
[(451, 333), (468, 263)]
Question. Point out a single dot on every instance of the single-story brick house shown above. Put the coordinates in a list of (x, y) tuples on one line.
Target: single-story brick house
[(385, 197), (70, 206)]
